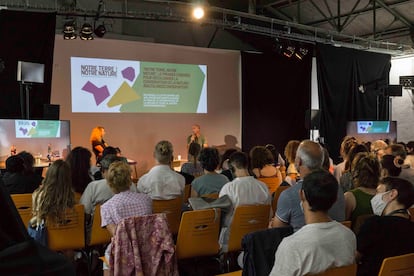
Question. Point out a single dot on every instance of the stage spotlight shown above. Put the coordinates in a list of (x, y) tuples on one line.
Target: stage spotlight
[(289, 51), (100, 31), (302, 53), (69, 31), (198, 12), (86, 32)]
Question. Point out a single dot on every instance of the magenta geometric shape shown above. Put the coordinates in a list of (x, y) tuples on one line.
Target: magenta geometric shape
[(128, 73), (99, 93)]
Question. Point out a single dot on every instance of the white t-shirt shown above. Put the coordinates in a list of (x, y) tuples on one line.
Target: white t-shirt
[(314, 248)]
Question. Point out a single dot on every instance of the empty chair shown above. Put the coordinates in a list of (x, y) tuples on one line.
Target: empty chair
[(172, 208), (68, 234), (23, 203), (198, 234), (398, 265), (349, 270)]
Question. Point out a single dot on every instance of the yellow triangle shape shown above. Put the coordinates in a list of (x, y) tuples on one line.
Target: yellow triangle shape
[(123, 95)]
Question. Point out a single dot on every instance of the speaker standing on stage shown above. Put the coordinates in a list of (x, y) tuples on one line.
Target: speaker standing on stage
[(97, 141), (197, 137)]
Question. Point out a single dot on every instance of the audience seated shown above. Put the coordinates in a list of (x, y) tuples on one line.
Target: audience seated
[(347, 143), (409, 160), (378, 147), (224, 164), (389, 233), (290, 153), (308, 158), (243, 190), (322, 243), (124, 203), (279, 161), (365, 173), (162, 182), (79, 160), (346, 180), (211, 182), (193, 167), (16, 180), (400, 154), (262, 163)]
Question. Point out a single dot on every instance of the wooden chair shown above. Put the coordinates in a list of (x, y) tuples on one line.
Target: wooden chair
[(349, 270), (77, 197), (234, 273), (198, 234), (272, 183), (187, 192), (212, 196), (172, 208), (347, 223), (71, 233), (276, 196), (99, 235), (398, 265), (23, 203), (247, 219)]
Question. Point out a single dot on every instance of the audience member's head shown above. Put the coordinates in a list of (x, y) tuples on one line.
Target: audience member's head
[(396, 150), (79, 160), (410, 147), (28, 162), (390, 165), (356, 148), (399, 189), (109, 150), (238, 160), (118, 176), (320, 190), (274, 151), (209, 159), (225, 158), (260, 157), (15, 164), (194, 151), (309, 157), (108, 160), (163, 152), (326, 162), (347, 143), (378, 147), (365, 170), (290, 151)]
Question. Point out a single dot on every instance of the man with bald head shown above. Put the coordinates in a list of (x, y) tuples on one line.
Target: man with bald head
[(309, 157)]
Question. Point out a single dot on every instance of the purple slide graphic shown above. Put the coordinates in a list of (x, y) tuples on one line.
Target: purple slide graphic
[(129, 73), (24, 130), (99, 93)]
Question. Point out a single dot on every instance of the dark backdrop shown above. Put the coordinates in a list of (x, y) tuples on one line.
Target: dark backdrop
[(275, 97), (25, 36), (341, 72)]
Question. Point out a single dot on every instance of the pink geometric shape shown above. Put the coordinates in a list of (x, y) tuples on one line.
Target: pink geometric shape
[(99, 93)]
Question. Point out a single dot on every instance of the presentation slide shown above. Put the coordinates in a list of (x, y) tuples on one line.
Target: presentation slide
[(112, 86), (366, 127), (37, 129)]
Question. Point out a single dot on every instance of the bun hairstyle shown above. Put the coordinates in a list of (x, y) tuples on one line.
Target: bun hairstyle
[(365, 170), (163, 152), (391, 165)]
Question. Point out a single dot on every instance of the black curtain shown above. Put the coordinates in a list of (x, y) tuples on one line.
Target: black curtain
[(352, 87), (275, 99), (30, 37)]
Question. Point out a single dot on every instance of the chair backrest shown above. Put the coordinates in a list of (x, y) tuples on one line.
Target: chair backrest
[(347, 223), (398, 265), (276, 196), (68, 235), (198, 234), (247, 219), (272, 183), (23, 203), (349, 270), (99, 235), (77, 197), (172, 208), (234, 273), (187, 192), (212, 196)]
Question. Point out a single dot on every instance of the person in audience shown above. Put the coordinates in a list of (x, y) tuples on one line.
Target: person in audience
[(97, 142), (389, 232), (96, 170), (243, 190), (378, 147), (196, 137), (193, 167), (346, 180), (29, 169), (365, 174), (54, 195), (162, 182), (211, 182), (409, 160), (79, 160), (400, 154), (390, 166), (98, 191), (347, 143), (15, 179), (224, 164), (290, 153), (322, 243), (309, 157), (279, 161), (124, 203)]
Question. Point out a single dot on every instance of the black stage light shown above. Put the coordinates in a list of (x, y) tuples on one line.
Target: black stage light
[(100, 31), (69, 31), (86, 32)]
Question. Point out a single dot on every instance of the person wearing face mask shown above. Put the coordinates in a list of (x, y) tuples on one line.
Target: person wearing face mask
[(389, 232)]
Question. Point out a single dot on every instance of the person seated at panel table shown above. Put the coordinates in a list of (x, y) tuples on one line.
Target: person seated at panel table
[(243, 190), (309, 158), (97, 142), (389, 232), (262, 166), (322, 243), (193, 166), (79, 160), (15, 179), (162, 182), (211, 182), (124, 203)]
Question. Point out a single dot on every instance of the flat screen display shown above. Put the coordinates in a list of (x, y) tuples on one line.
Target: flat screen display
[(365, 127), (372, 130)]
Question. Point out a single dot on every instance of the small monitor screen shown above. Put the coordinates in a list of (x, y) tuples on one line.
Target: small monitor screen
[(365, 127), (372, 130)]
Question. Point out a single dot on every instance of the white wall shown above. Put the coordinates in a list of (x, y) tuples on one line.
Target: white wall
[(403, 107)]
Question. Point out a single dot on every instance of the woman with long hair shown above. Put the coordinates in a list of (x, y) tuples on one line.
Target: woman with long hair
[(79, 160), (97, 141), (193, 167)]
